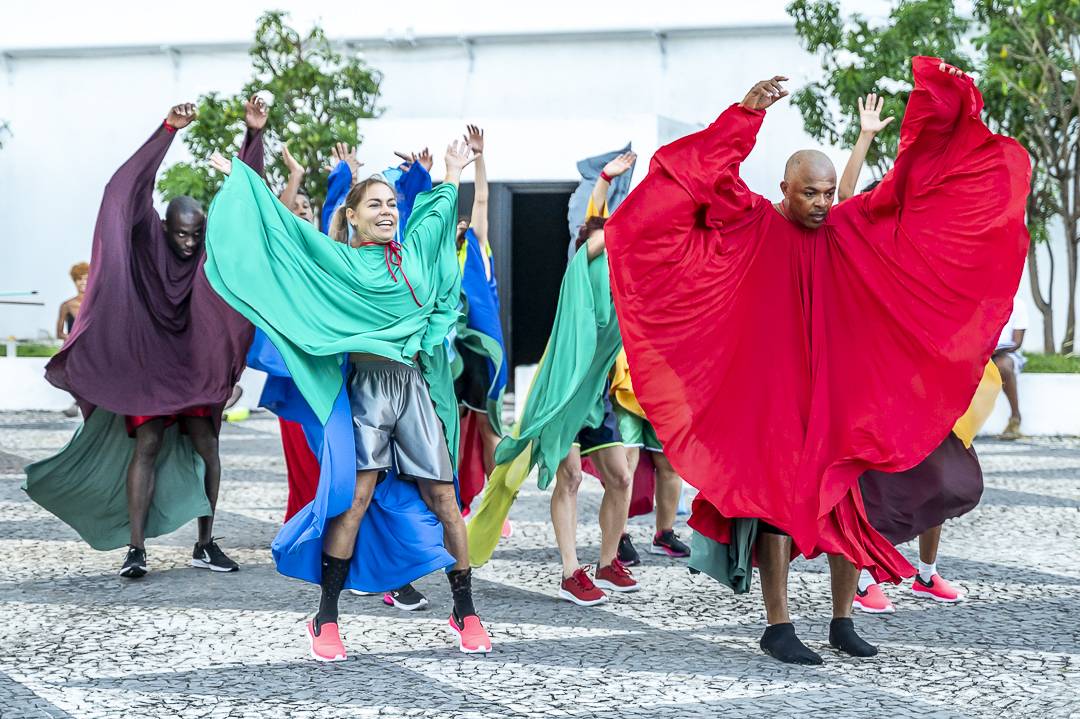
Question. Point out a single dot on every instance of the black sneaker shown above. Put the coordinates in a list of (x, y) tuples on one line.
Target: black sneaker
[(668, 543), (627, 554), (209, 556), (134, 564), (406, 598)]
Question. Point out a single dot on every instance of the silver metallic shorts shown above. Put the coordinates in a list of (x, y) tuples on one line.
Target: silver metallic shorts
[(394, 422)]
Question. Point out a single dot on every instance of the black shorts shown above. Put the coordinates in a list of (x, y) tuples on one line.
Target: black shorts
[(471, 386), (590, 439)]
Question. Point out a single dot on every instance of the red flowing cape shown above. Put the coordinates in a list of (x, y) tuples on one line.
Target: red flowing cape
[(779, 363)]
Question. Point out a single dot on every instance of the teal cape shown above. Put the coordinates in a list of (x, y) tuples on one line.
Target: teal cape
[(567, 394)]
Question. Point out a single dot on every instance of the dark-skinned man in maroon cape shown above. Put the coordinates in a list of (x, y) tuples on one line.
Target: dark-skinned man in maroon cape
[(782, 349), (153, 356)]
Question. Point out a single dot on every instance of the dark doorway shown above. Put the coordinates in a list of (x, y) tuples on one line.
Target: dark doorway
[(540, 238)]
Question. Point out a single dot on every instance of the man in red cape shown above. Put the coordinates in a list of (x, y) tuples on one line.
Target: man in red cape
[(781, 350)]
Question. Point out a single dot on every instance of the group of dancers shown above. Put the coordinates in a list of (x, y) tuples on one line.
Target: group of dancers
[(817, 371)]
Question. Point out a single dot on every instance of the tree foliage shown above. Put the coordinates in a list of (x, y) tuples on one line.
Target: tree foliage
[(318, 96), (858, 57), (1025, 53), (1031, 57)]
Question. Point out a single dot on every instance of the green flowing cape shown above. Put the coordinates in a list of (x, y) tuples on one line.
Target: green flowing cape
[(85, 484), (567, 393), (317, 299)]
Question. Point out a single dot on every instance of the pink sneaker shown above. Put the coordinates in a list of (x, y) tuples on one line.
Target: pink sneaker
[(472, 637), (873, 601), (327, 646), (507, 529), (937, 589)]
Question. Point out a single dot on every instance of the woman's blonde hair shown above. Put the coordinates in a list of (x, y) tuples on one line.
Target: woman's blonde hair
[(339, 225)]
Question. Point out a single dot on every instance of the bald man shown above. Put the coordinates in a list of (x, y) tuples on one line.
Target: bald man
[(781, 349)]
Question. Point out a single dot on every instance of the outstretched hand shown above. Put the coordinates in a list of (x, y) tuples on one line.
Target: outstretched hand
[(765, 93), (221, 163), (458, 156), (620, 164), (474, 138), (951, 69), (255, 112), (294, 166), (182, 115), (425, 159), (341, 152), (870, 114)]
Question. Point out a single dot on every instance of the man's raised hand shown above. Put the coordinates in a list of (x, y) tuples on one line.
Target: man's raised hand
[(765, 93), (255, 111), (870, 114), (182, 115), (294, 166)]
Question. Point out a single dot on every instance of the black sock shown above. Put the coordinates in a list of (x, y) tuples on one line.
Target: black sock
[(334, 571), (842, 636), (779, 642), (461, 588)]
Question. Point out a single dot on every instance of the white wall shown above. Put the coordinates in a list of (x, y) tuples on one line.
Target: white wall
[(545, 101)]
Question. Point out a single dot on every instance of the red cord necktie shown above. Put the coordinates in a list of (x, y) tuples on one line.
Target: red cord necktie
[(392, 254)]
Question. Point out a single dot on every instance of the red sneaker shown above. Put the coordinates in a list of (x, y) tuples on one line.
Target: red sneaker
[(616, 577), (579, 589), (937, 589), (873, 601), (326, 646), (472, 637)]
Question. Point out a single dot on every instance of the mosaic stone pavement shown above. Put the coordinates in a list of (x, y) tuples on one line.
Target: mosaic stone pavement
[(76, 640)]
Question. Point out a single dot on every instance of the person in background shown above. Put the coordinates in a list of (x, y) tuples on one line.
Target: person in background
[(1010, 362), (69, 310)]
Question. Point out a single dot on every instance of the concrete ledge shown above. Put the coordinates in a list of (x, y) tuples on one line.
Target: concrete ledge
[(23, 386), (1049, 403)]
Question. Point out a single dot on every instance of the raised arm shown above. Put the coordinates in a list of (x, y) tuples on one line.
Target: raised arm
[(296, 177), (129, 196), (252, 152), (706, 164), (870, 124), (612, 169), (474, 138), (344, 169)]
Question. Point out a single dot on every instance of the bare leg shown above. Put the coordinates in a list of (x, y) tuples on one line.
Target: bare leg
[(441, 500), (201, 433), (140, 477), (633, 456), (845, 580), (1008, 383), (842, 635), (611, 464), (564, 510), (490, 441), (668, 490), (773, 553), (339, 540), (928, 544)]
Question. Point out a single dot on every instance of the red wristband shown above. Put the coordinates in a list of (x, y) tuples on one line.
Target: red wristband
[(605, 177), (167, 126)]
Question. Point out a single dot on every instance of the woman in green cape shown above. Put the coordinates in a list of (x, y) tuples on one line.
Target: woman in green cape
[(388, 308)]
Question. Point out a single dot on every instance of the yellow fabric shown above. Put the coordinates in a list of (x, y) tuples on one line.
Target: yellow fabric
[(463, 252), (982, 404), (622, 389)]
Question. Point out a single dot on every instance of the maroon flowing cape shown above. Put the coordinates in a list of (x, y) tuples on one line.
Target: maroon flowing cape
[(152, 337), (779, 363)]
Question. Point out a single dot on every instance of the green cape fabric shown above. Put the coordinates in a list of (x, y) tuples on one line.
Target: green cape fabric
[(85, 484), (730, 564), (568, 389), (317, 299)]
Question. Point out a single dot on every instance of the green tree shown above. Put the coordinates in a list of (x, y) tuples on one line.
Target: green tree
[(858, 56), (318, 96), (1031, 57)]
